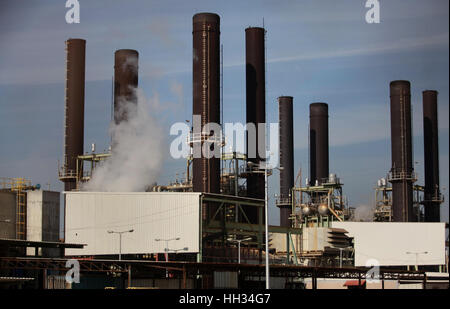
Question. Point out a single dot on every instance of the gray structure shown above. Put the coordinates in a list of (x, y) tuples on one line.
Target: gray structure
[(43, 208), (7, 214)]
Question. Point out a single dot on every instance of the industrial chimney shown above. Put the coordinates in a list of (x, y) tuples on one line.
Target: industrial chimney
[(74, 111), (318, 143), (125, 82), (206, 100), (432, 198), (284, 202), (402, 172), (255, 111)]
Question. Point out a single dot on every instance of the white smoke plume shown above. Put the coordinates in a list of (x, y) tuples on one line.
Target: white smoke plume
[(137, 152), (364, 213), (131, 63)]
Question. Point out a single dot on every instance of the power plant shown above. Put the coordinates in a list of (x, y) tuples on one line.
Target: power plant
[(208, 230)]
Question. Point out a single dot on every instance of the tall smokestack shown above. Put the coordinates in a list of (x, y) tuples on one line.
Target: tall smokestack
[(318, 143), (255, 109), (206, 98), (431, 148), (402, 172), (285, 114), (74, 113), (125, 82)]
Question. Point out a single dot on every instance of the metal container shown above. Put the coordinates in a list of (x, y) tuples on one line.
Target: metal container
[(332, 178), (401, 147), (323, 209), (306, 210), (431, 155)]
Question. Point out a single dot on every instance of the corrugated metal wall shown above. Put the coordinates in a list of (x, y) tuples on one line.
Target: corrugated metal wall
[(152, 215), (225, 280), (389, 242)]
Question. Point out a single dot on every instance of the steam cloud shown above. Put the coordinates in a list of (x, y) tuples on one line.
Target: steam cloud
[(137, 152), (364, 213)]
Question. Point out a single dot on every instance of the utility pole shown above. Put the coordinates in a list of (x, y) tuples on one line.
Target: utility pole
[(120, 240), (166, 250), (417, 257)]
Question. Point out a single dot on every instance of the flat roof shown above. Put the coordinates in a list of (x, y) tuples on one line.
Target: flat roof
[(14, 279), (40, 244)]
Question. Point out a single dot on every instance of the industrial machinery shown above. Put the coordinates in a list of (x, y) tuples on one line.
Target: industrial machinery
[(320, 205), (383, 202)]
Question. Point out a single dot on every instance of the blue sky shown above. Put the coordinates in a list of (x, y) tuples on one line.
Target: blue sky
[(316, 51)]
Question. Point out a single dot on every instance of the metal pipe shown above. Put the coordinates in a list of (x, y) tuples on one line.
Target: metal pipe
[(255, 110), (266, 227), (318, 143), (74, 109), (206, 99), (401, 146), (431, 156), (286, 144)]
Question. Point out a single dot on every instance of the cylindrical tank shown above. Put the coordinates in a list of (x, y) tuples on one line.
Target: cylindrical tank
[(332, 178), (206, 98), (318, 142), (286, 144), (431, 156), (255, 110), (74, 113), (401, 147), (125, 83)]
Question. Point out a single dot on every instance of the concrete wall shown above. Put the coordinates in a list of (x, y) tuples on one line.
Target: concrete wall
[(7, 212)]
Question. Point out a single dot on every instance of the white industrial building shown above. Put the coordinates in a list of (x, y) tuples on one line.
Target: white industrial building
[(397, 243), (151, 215), (43, 223)]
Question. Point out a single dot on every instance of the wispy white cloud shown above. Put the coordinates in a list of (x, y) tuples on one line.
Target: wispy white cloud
[(401, 45)]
